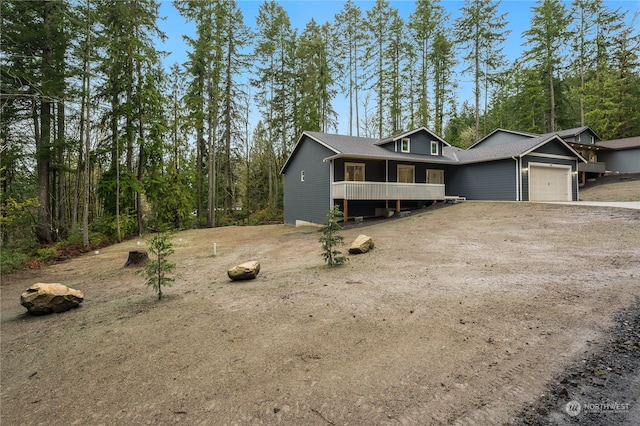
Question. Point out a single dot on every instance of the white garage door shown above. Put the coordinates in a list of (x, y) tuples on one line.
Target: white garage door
[(549, 182)]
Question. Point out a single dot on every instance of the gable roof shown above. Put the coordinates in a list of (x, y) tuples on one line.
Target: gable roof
[(574, 132), (562, 133), (369, 148), (625, 143), (508, 150), (514, 132), (411, 132)]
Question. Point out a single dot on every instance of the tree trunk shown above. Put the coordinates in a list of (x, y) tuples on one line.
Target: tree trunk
[(136, 258), (87, 144), (552, 100), (43, 138)]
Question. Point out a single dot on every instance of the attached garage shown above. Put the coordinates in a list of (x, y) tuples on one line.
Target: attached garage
[(549, 182)]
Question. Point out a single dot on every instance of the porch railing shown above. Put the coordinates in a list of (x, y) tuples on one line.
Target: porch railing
[(592, 167), (387, 191)]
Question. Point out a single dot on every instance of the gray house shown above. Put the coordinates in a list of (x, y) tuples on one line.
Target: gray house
[(618, 155), (371, 177), (621, 155)]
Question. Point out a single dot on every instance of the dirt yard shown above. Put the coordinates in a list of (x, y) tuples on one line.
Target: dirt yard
[(460, 315)]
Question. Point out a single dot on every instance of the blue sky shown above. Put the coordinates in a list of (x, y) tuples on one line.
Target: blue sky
[(302, 11)]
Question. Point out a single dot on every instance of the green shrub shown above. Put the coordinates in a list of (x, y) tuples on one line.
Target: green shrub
[(11, 260), (266, 215), (108, 226), (47, 254)]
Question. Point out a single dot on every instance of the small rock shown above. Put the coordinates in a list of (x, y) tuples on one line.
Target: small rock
[(361, 244), (46, 298), (244, 271)]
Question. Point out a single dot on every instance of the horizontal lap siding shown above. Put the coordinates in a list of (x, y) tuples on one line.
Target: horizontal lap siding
[(421, 144), (495, 180), (623, 161), (309, 200)]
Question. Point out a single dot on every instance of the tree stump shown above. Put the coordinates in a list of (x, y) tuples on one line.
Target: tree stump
[(137, 257)]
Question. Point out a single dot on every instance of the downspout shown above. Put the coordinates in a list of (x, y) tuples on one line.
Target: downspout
[(577, 174), (518, 181), (331, 179)]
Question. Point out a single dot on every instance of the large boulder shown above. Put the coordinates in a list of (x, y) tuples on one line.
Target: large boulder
[(46, 298), (244, 271), (361, 244)]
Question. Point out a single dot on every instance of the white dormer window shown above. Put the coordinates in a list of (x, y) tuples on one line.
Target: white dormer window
[(434, 148), (405, 145), (302, 176)]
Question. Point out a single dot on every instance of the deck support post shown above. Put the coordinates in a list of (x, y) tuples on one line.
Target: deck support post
[(346, 210), (398, 206)]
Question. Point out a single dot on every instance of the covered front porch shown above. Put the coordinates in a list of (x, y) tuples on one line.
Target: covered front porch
[(391, 193), (381, 185)]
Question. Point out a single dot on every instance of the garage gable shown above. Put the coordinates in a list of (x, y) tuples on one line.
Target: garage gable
[(555, 147)]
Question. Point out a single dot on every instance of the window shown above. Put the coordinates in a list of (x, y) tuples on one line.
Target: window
[(434, 148), (405, 145), (302, 176), (354, 172), (406, 174), (435, 176)]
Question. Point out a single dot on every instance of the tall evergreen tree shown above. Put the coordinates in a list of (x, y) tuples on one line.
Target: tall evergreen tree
[(480, 32), (424, 24), (380, 57), (313, 110), (351, 39), (129, 27), (584, 12), (611, 102), (547, 39), (276, 86), (443, 59), (235, 37), (35, 44)]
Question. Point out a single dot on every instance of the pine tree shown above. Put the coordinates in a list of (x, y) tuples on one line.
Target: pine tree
[(313, 110), (380, 57), (547, 37), (158, 268), (351, 40), (277, 90), (330, 239), (480, 31), (425, 22), (35, 37), (127, 39), (443, 59)]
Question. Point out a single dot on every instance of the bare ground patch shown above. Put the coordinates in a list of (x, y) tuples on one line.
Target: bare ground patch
[(615, 187), (459, 315)]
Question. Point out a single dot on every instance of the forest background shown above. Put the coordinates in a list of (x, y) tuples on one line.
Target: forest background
[(101, 138)]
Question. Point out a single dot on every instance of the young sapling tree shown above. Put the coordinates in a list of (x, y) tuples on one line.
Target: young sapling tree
[(158, 267), (330, 239)]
